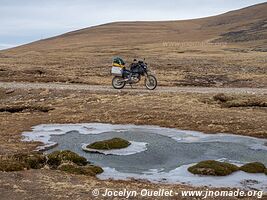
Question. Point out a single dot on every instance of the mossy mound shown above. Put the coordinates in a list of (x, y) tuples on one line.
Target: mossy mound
[(11, 166), (32, 160), (63, 160), (22, 161), (265, 171), (95, 169), (114, 143), (254, 167), (58, 157), (213, 168), (89, 170)]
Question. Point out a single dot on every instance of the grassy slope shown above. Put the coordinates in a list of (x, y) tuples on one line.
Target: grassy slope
[(85, 55)]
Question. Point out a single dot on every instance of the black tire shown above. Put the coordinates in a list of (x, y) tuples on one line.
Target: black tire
[(151, 82), (117, 82)]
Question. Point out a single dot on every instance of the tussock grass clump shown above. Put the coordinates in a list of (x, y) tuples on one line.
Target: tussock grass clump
[(22, 161), (213, 168), (62, 160), (254, 167), (11, 165), (58, 157), (114, 143), (240, 101), (35, 71), (33, 160), (221, 97), (89, 170), (246, 103)]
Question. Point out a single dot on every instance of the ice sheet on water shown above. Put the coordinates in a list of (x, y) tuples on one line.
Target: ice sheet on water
[(181, 175), (43, 133)]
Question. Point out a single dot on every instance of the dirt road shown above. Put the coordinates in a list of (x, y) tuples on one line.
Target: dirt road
[(100, 88)]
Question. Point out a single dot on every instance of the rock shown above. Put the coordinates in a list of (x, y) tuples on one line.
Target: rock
[(114, 143), (213, 168), (254, 167)]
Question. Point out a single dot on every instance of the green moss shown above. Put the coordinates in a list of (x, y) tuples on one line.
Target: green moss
[(12, 165), (58, 157), (254, 167), (114, 143), (213, 168), (32, 160), (89, 170), (95, 169), (22, 161), (75, 163)]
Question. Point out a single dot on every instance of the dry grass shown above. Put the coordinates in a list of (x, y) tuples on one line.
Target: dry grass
[(230, 101), (212, 66), (184, 111), (85, 56), (52, 184), (180, 52), (23, 108)]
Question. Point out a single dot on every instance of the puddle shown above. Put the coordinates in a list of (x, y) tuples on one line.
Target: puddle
[(158, 154)]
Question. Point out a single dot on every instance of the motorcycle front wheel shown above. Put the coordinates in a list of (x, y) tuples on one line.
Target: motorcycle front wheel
[(151, 82), (118, 83)]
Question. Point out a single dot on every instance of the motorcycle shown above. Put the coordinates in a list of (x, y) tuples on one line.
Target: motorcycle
[(133, 76)]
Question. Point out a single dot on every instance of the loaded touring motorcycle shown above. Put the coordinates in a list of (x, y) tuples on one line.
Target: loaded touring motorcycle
[(122, 76)]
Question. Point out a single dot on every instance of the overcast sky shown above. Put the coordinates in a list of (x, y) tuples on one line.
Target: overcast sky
[(24, 21)]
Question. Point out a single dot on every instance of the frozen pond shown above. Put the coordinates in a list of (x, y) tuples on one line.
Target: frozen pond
[(158, 154)]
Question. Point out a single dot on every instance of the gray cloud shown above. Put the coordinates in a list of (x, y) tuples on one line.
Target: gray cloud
[(29, 20)]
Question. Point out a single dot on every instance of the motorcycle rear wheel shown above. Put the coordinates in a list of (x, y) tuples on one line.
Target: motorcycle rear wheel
[(151, 82), (118, 83)]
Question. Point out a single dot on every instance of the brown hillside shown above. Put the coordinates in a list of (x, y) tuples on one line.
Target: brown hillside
[(224, 50)]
